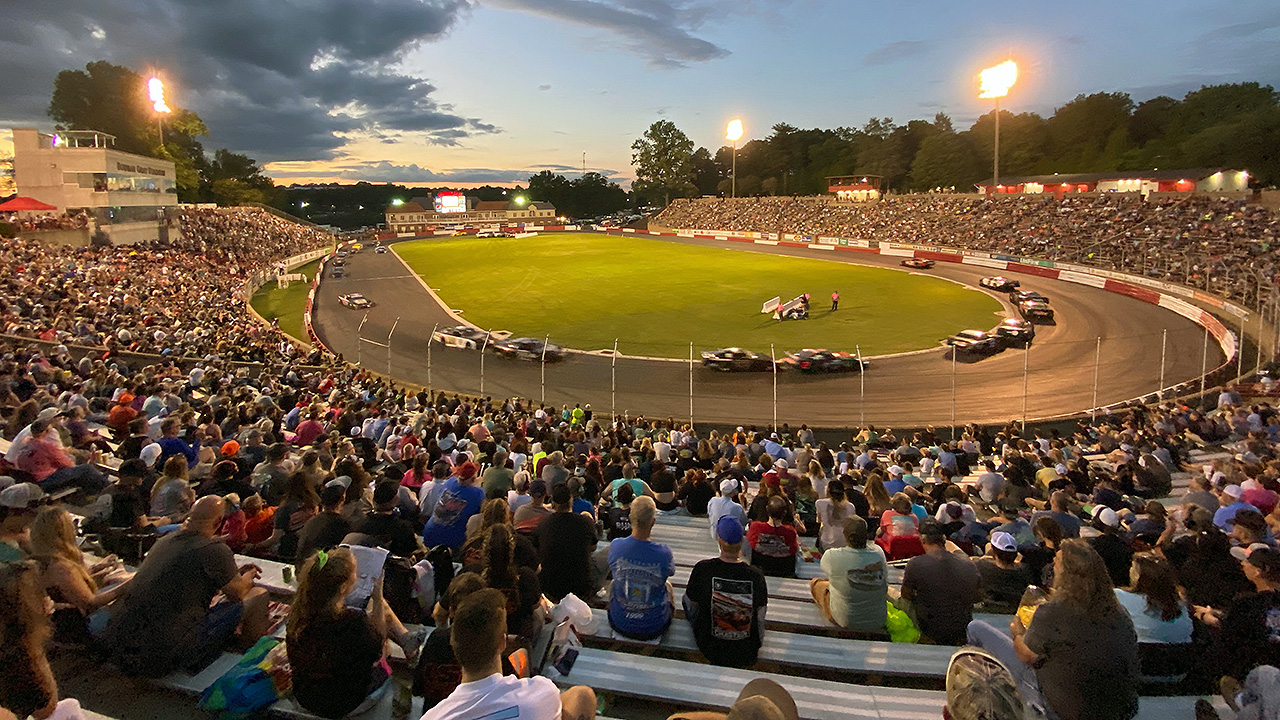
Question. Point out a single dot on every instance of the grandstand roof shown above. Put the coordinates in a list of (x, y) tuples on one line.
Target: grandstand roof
[(1056, 178), (490, 205), (411, 206)]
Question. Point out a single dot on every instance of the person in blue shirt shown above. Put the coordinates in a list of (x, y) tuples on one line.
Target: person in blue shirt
[(641, 599), (895, 484), (459, 500), (171, 444), (1231, 503), (580, 504)]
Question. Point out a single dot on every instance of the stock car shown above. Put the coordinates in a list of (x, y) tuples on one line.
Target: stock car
[(337, 271), (493, 233), (1036, 310), (355, 300), (1015, 332), (731, 359), (918, 263), (818, 360), (1020, 296), (526, 348), (381, 249), (459, 336), (998, 282), (976, 342)]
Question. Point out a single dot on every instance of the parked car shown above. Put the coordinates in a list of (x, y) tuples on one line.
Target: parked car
[(1019, 296), (1036, 311), (736, 359), (918, 263), (526, 348), (811, 360), (355, 300), (1015, 332), (460, 336), (1003, 284), (975, 342)]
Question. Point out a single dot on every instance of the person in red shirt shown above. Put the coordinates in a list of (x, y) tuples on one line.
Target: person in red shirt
[(121, 415), (308, 430), (774, 543)]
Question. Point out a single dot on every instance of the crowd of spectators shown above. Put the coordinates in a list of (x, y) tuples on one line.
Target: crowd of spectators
[(287, 461), (1229, 247), (24, 222)]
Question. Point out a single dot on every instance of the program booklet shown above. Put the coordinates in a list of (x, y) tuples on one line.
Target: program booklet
[(369, 564)]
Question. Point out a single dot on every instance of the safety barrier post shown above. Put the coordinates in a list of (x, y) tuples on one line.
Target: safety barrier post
[(543, 369), (430, 339), (1164, 343), (691, 384), (613, 383), (1097, 364), (1026, 365), (484, 347), (774, 363), (953, 394), (1204, 360), (360, 340)]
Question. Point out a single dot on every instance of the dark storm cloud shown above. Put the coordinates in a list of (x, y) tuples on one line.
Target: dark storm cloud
[(661, 31), (895, 51), (285, 79)]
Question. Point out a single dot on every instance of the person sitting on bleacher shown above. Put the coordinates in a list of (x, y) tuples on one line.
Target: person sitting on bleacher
[(726, 503), (326, 529), (164, 621), (478, 637), (43, 457), (774, 543), (641, 599), (855, 597), (725, 602), (566, 541), (760, 699), (941, 585), (1004, 579), (459, 500)]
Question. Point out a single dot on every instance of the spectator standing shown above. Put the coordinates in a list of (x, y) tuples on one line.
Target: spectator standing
[(942, 586), (725, 602), (641, 599)]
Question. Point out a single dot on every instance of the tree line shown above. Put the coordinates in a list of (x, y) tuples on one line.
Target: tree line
[(1234, 125)]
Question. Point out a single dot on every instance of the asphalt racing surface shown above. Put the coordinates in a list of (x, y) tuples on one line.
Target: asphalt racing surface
[(896, 391)]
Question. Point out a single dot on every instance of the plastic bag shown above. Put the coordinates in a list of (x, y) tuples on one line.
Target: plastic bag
[(1033, 598), (899, 626), (261, 678), (577, 611)]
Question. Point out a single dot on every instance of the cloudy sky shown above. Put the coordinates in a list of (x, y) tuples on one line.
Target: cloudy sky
[(490, 91)]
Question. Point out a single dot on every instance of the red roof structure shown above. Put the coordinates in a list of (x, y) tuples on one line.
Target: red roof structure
[(25, 203)]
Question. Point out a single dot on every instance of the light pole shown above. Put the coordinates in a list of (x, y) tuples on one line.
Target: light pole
[(733, 133), (996, 82), (155, 91)]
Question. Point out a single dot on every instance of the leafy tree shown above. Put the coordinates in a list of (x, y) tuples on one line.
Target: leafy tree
[(1089, 133), (946, 160), (706, 173), (663, 159), (1216, 104)]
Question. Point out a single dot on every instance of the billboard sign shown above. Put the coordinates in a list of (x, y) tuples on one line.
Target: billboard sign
[(450, 202)]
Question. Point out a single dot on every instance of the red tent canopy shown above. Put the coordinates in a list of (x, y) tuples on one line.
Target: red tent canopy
[(25, 203)]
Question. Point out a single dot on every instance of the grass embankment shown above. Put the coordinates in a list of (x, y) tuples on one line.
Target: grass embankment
[(287, 305)]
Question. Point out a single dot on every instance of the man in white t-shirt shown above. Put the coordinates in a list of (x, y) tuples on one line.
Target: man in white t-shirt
[(478, 637), (726, 503)]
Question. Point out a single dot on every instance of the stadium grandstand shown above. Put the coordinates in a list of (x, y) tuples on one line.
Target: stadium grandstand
[(199, 498)]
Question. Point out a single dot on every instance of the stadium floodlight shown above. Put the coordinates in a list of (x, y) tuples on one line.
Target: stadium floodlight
[(733, 133), (397, 202), (520, 200), (994, 83), (155, 91)]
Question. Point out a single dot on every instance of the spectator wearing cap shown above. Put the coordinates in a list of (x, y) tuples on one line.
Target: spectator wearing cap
[(641, 598), (1078, 659), (531, 514), (1248, 532), (460, 498), (1230, 503), (1245, 633), (726, 600), (1110, 544), (566, 541), (941, 586), (855, 596), (726, 503), (1004, 578), (383, 527), (774, 541), (122, 414), (19, 503), (895, 484)]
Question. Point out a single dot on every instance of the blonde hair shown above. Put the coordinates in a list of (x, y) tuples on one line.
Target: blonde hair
[(643, 511), (53, 539)]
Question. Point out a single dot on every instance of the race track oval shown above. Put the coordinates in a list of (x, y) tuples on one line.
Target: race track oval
[(1056, 377)]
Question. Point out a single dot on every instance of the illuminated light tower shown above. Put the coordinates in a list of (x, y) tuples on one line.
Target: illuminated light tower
[(733, 133), (155, 91), (995, 83)]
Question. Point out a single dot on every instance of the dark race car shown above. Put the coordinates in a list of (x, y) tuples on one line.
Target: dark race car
[(460, 336), (528, 349), (821, 360), (1015, 332), (736, 359), (355, 300), (975, 342), (1036, 311), (917, 263), (1003, 284), (1020, 296)]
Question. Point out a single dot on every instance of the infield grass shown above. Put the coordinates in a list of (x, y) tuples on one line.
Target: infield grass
[(286, 306), (584, 290)]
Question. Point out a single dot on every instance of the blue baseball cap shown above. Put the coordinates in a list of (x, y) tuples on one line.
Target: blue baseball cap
[(729, 529)]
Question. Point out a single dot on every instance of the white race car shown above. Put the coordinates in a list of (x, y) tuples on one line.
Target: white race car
[(355, 300)]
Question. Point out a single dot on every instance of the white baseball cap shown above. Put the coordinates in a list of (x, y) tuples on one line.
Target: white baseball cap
[(21, 496)]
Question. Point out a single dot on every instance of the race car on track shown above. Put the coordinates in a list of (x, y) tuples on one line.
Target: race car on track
[(917, 263), (1015, 332), (460, 336), (489, 234), (812, 360), (736, 359), (1036, 310), (528, 349), (975, 342), (380, 249), (1002, 284), (355, 300), (1020, 296)]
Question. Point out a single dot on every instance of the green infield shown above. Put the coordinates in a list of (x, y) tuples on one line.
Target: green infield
[(287, 305), (584, 290)]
